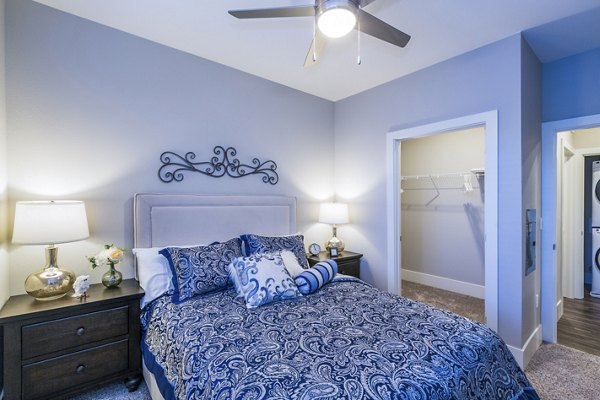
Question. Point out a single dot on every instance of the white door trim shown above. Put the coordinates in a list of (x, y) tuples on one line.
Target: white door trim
[(490, 121), (549, 278)]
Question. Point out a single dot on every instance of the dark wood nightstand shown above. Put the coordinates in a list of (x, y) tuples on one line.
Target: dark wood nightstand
[(348, 262), (57, 348)]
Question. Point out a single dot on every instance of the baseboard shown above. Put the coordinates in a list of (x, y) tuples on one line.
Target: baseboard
[(524, 354), (470, 289), (560, 309)]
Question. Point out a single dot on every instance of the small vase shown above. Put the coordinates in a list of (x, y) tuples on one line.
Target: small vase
[(112, 277)]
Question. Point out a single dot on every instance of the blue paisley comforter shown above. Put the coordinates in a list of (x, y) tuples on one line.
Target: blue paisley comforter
[(346, 341)]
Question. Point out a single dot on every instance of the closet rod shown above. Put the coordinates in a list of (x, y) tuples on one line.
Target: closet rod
[(476, 173), (439, 188)]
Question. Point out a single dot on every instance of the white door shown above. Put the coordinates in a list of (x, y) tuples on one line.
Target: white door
[(571, 242)]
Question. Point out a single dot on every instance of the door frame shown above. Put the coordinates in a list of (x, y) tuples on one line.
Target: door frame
[(487, 119), (549, 266)]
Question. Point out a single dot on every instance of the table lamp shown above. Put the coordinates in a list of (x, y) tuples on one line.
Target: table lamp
[(50, 223), (334, 213)]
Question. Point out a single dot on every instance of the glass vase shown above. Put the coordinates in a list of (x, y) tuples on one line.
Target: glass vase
[(112, 277)]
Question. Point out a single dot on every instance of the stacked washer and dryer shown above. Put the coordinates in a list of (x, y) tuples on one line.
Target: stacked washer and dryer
[(595, 229)]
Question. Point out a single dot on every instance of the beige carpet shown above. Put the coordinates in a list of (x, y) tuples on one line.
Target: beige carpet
[(558, 373), (467, 306)]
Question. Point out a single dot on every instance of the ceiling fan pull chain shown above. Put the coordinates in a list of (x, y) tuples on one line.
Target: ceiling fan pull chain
[(314, 47), (358, 59)]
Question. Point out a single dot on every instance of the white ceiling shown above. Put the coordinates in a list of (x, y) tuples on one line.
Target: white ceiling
[(275, 48)]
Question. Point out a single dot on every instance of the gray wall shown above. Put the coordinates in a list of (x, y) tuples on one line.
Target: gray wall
[(90, 110), (4, 270), (443, 236), (531, 115), (485, 79)]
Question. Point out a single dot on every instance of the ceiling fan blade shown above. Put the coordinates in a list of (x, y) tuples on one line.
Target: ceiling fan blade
[(279, 12), (364, 3), (381, 30), (320, 42)]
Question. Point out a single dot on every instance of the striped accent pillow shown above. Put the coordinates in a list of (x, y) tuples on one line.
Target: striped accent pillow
[(317, 276)]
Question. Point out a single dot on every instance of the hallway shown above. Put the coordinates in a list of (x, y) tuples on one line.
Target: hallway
[(579, 326)]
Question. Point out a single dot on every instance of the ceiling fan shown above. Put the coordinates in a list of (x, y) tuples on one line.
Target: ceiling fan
[(334, 18)]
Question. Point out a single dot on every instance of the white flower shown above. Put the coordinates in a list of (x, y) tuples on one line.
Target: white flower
[(109, 255), (115, 254)]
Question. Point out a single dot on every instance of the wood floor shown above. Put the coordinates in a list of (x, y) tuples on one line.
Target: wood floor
[(579, 326)]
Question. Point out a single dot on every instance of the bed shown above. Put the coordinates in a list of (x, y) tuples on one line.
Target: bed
[(347, 340)]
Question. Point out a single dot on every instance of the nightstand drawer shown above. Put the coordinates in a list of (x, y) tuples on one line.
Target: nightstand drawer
[(52, 376), (351, 268), (348, 262), (61, 334)]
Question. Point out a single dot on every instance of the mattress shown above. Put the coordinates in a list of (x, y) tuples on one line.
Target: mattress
[(348, 340)]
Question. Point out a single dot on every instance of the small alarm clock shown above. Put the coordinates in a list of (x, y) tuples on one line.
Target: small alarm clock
[(314, 249)]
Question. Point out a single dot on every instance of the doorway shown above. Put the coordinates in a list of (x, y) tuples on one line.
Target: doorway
[(442, 214), (489, 122), (590, 198), (553, 248), (578, 312)]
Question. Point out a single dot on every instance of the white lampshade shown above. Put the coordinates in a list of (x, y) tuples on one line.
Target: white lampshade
[(50, 222), (333, 213)]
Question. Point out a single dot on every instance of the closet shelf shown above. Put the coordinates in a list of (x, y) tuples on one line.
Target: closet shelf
[(477, 172), (445, 181)]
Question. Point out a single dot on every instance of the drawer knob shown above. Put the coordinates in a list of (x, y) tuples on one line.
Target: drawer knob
[(80, 368), (80, 331)]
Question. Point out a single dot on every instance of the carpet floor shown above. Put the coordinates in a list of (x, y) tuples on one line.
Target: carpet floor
[(467, 306), (556, 372), (115, 391), (559, 372)]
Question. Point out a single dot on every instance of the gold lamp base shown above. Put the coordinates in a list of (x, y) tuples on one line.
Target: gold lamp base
[(335, 242), (52, 282)]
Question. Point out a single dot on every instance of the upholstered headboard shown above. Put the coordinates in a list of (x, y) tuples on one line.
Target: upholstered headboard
[(184, 219)]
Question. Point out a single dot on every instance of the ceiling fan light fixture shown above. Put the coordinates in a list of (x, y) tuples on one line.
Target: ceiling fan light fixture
[(337, 20)]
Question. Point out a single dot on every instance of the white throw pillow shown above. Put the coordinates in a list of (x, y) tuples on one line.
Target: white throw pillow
[(154, 274), (291, 263)]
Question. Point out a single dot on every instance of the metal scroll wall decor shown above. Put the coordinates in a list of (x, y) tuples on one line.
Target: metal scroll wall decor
[(221, 164)]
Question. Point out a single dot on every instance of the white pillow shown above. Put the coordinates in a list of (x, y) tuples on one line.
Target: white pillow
[(291, 263), (154, 274)]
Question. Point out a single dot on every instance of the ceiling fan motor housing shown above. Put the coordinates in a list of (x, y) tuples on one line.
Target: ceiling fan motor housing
[(325, 5)]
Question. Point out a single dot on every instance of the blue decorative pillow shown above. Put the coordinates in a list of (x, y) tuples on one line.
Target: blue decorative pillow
[(271, 244), (317, 276), (200, 269), (262, 279)]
